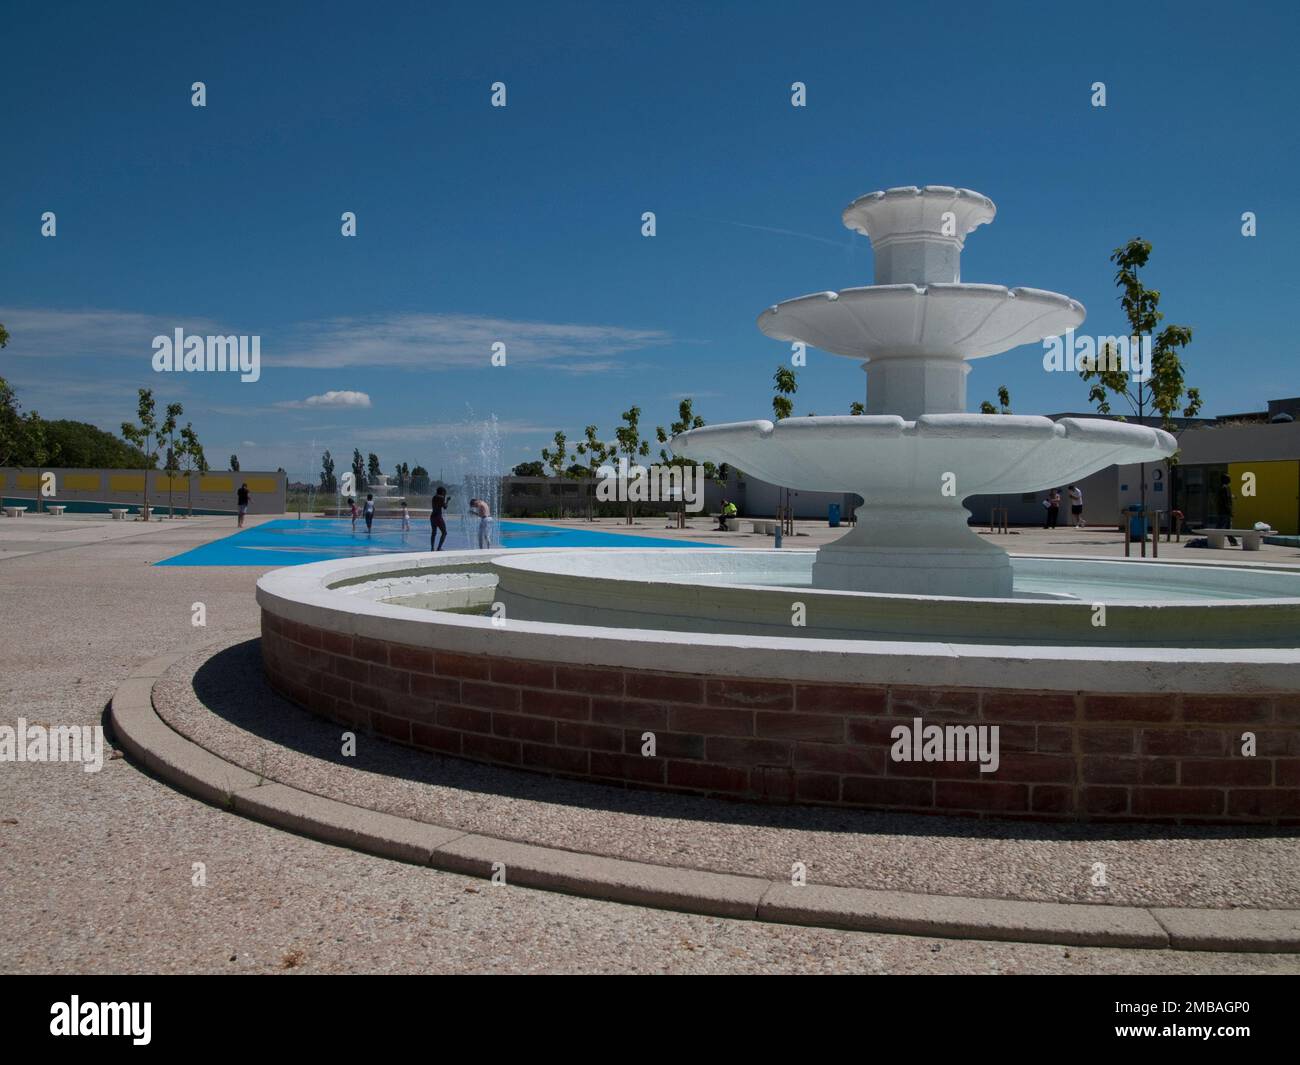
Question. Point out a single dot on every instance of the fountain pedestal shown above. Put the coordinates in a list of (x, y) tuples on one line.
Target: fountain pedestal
[(914, 549)]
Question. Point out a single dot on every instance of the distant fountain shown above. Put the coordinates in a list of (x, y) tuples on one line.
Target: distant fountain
[(377, 485)]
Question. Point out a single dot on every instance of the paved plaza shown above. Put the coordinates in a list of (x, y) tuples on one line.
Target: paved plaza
[(99, 867)]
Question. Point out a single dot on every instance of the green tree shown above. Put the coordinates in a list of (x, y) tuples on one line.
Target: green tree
[(857, 408), (358, 470), (786, 386), (1163, 390), (22, 436), (192, 461), (595, 452), (419, 481), (373, 472), (167, 436), (142, 434), (1004, 397), (631, 445), (329, 484), (555, 458), (529, 469), (234, 463), (78, 444), (687, 420), (783, 406)]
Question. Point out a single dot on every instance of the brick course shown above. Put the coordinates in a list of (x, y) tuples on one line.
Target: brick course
[(1064, 756)]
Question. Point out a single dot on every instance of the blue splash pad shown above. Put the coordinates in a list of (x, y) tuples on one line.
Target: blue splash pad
[(290, 542)]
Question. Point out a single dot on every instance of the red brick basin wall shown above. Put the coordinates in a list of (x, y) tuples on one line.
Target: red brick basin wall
[(1064, 756)]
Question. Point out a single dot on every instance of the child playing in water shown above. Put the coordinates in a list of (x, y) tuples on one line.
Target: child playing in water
[(484, 512), (437, 522), (352, 504), (406, 517)]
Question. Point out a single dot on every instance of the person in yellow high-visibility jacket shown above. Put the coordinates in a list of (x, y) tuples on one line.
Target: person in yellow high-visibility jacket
[(728, 511)]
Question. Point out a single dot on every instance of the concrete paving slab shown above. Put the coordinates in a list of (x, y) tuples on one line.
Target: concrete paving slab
[(963, 918)]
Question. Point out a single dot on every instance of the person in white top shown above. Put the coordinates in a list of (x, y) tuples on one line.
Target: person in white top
[(1076, 505), (406, 517), (484, 512)]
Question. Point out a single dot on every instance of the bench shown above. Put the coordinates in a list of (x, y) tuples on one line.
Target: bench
[(56, 510), (733, 525), (15, 512), (1250, 538), (119, 512)]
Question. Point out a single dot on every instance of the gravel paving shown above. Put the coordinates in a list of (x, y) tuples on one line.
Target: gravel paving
[(219, 699), (97, 869)]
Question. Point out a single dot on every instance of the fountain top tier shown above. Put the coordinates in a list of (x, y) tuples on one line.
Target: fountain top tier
[(918, 235)]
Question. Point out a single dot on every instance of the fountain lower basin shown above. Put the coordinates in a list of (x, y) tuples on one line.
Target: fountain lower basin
[(410, 648)]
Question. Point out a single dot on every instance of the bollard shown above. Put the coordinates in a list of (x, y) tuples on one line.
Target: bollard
[(776, 536)]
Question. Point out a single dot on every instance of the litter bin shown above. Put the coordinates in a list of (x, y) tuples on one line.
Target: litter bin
[(1137, 524), (833, 515)]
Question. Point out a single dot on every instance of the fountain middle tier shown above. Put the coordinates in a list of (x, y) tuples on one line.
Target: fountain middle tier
[(912, 535), (916, 338)]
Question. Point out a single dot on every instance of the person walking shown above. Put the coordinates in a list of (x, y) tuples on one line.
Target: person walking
[(369, 511), (484, 512), (352, 506), (437, 522), (1076, 506), (242, 499), (406, 517), (1224, 508), (1053, 503)]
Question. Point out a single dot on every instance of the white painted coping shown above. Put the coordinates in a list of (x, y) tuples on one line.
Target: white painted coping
[(303, 594)]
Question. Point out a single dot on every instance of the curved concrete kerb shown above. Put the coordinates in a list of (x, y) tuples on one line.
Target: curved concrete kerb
[(190, 768)]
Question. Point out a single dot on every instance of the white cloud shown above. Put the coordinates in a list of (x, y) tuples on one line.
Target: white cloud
[(411, 341), (330, 399), (425, 341)]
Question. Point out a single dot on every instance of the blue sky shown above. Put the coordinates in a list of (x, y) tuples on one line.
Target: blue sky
[(523, 223)]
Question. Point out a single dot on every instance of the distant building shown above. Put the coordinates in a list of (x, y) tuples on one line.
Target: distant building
[(1264, 443)]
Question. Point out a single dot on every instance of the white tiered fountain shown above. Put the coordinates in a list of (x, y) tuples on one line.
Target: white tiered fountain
[(916, 454)]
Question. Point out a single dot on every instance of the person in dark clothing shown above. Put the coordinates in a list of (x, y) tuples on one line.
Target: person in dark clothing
[(242, 499), (437, 521), (368, 512), (1053, 508), (1224, 500)]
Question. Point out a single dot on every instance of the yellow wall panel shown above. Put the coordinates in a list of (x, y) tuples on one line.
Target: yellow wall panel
[(216, 484), (25, 480), (178, 484), (262, 484), (80, 482), (1276, 499), (126, 482)]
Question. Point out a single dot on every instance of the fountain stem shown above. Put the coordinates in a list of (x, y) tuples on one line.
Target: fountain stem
[(912, 386)]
